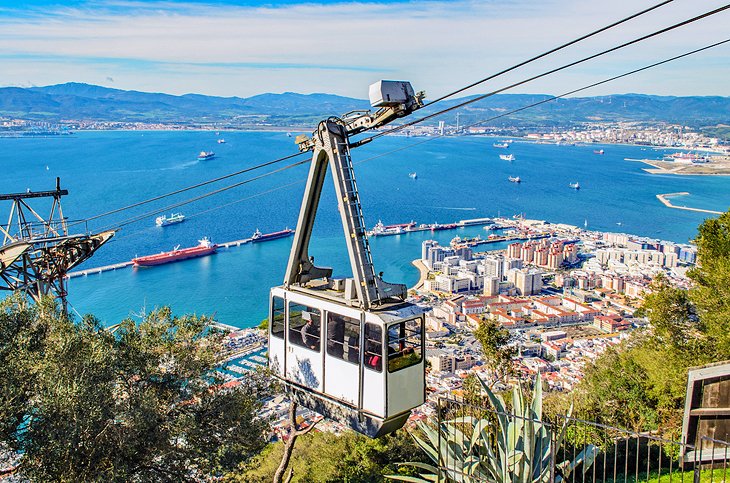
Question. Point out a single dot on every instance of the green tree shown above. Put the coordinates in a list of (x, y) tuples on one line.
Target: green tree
[(141, 404), (321, 457), (496, 353), (641, 384)]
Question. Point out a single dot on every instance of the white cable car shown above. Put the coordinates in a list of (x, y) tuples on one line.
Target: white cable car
[(351, 349)]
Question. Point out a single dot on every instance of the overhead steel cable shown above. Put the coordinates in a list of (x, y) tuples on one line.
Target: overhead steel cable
[(509, 69), (544, 74), (553, 98), (548, 52), (204, 195), (438, 136), (187, 188), (430, 116)]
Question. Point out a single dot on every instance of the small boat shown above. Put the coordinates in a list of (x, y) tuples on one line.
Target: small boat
[(205, 247), (515, 179), (164, 220), (206, 155), (575, 186), (288, 134), (598, 151), (500, 145), (221, 141), (507, 157), (412, 175), (260, 237)]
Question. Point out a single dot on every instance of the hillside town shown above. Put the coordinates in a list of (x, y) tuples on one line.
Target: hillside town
[(565, 295)]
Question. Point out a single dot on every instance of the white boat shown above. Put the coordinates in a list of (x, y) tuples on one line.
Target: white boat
[(164, 220), (515, 179), (575, 186), (507, 157), (221, 141), (501, 145), (206, 155), (412, 175)]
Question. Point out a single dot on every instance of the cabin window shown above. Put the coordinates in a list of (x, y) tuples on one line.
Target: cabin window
[(304, 326), (373, 347), (405, 341), (278, 318), (343, 337)]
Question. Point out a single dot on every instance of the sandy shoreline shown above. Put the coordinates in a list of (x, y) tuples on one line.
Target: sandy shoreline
[(423, 270), (669, 167)]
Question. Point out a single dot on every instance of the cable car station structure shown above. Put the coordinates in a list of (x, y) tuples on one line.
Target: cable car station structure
[(36, 252), (351, 349)]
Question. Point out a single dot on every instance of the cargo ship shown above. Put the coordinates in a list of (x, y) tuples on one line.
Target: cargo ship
[(206, 155), (386, 230), (164, 220), (260, 237), (599, 151), (205, 247)]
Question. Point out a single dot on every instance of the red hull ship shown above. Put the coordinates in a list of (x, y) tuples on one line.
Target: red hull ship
[(204, 248)]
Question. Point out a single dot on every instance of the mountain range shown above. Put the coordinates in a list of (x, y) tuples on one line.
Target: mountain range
[(78, 101)]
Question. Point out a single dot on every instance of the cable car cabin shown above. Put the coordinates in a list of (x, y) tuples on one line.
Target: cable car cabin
[(350, 349), (365, 369)]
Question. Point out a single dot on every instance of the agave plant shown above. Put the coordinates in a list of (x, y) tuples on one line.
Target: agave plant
[(516, 447)]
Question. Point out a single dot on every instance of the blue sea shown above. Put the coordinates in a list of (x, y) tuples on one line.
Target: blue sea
[(458, 178)]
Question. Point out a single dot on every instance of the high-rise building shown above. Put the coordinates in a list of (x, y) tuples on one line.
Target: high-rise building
[(491, 286)]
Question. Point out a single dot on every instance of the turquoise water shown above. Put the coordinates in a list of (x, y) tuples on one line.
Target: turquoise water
[(458, 178)]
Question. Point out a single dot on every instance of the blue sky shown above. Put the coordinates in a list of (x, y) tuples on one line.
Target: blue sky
[(242, 48)]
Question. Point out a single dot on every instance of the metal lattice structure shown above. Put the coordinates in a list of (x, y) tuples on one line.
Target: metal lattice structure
[(37, 252)]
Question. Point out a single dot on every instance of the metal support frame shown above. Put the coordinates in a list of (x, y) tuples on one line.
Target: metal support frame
[(36, 252), (330, 146)]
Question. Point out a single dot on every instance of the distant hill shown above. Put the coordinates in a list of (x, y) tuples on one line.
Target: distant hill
[(95, 103)]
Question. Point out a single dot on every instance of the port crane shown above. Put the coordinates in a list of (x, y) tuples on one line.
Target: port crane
[(351, 349)]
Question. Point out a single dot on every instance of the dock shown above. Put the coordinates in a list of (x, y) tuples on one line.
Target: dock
[(664, 198), (96, 270), (115, 266)]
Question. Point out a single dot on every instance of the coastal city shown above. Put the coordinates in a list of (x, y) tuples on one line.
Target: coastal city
[(564, 293)]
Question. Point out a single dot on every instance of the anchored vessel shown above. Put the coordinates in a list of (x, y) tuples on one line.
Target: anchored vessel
[(351, 349), (507, 157), (206, 155), (260, 237), (515, 179), (575, 186), (164, 220), (204, 248)]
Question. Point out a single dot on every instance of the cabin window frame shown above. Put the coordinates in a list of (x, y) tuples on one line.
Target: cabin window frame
[(404, 341), (375, 365), (344, 349), (273, 317), (295, 334)]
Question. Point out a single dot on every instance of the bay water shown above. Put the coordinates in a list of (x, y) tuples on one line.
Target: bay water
[(457, 178)]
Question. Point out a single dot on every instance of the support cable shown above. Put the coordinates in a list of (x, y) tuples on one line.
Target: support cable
[(550, 99), (551, 71), (188, 188), (504, 71), (548, 52), (429, 139)]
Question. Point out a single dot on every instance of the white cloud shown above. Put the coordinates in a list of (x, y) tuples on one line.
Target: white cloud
[(439, 46)]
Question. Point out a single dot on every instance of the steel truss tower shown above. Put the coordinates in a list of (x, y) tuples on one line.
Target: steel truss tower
[(36, 252)]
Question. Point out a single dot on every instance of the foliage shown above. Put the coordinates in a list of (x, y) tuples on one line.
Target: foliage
[(641, 384), (519, 448), (493, 339), (140, 404), (264, 325), (327, 457)]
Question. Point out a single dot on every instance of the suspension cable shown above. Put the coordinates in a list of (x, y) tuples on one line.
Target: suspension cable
[(548, 52), (187, 188), (438, 136), (551, 71)]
